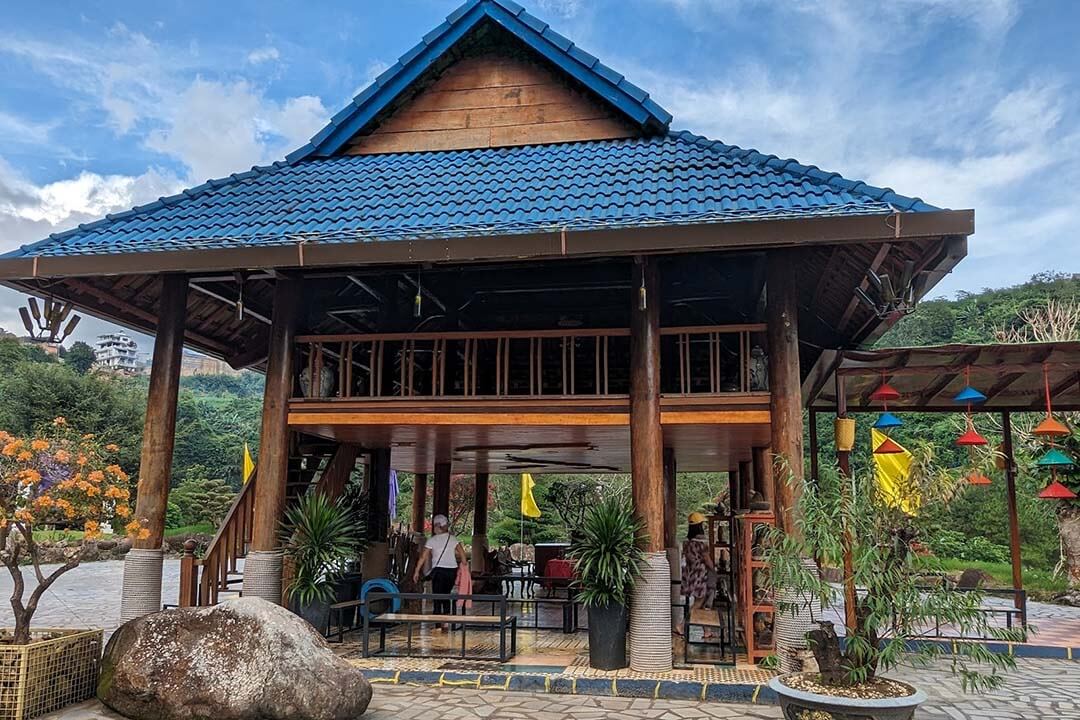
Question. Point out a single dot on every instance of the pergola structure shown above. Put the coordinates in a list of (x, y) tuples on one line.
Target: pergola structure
[(498, 258), (1015, 378)]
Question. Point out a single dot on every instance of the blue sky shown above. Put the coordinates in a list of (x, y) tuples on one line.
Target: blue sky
[(966, 103)]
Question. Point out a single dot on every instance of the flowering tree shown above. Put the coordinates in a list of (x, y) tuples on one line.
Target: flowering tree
[(59, 478)]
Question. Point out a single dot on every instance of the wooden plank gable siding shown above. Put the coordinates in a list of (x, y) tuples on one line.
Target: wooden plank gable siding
[(493, 100)]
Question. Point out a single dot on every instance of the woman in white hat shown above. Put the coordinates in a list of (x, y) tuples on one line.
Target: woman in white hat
[(443, 552)]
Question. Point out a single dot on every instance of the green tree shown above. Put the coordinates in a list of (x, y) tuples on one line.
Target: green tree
[(199, 499), (80, 357)]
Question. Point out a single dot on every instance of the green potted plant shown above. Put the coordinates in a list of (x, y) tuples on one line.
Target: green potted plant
[(897, 593), (607, 555), (320, 538)]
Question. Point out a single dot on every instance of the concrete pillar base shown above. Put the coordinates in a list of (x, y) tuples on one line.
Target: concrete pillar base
[(262, 575), (140, 593), (650, 616)]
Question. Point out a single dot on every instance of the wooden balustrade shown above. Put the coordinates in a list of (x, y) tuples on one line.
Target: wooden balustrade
[(696, 360)]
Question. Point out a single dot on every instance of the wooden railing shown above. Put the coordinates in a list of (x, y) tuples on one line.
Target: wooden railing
[(526, 364), (219, 562)]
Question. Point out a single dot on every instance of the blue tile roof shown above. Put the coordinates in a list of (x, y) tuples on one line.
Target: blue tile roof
[(630, 100), (676, 178)]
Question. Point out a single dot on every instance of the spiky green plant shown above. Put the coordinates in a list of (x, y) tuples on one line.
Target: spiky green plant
[(320, 537), (607, 552)]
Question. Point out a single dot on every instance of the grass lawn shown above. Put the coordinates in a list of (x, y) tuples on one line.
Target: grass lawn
[(1040, 584)]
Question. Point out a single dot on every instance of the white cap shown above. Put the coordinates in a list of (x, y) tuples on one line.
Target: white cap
[(440, 521)]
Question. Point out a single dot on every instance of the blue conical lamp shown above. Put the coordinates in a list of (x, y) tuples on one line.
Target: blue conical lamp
[(1054, 458), (969, 396), (887, 421)]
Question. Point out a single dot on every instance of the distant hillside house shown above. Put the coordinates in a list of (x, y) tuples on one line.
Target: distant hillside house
[(117, 352), (193, 364)]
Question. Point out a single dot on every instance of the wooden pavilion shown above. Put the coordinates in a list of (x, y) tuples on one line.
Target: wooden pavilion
[(498, 258)]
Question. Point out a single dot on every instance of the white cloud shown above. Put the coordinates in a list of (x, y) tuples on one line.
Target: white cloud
[(14, 129), (561, 8), (263, 54)]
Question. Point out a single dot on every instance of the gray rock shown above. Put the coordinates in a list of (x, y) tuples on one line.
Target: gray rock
[(245, 659), (106, 544)]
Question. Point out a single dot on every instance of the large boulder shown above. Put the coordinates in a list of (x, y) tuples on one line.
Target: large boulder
[(245, 659)]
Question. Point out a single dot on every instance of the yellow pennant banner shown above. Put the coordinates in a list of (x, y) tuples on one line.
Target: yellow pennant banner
[(528, 502), (892, 472)]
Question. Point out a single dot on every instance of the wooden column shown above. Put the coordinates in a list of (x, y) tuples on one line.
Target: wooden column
[(746, 483), (735, 491), (273, 468), (1010, 497), (843, 461), (419, 502), (440, 499), (646, 435), (785, 385), (480, 523), (671, 500), (763, 480), (378, 519), (814, 446), (159, 428)]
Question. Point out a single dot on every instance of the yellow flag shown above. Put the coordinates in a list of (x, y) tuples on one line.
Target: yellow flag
[(249, 464), (892, 471), (528, 502)]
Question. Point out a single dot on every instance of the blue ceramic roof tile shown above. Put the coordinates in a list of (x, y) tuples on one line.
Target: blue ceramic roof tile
[(670, 179)]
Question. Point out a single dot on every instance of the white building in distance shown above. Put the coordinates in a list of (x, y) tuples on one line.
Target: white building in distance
[(117, 352)]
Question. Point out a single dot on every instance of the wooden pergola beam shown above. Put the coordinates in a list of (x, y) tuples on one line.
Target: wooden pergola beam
[(940, 384), (875, 265)]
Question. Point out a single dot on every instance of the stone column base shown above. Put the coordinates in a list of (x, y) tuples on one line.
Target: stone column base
[(262, 575), (650, 616), (140, 593)]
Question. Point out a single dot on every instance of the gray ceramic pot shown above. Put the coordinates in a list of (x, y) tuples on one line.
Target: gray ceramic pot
[(794, 703)]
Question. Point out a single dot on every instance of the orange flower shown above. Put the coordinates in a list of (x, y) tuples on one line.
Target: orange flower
[(116, 493), (96, 476), (12, 448), (112, 447), (88, 436), (117, 472), (81, 460), (59, 421), (122, 511), (24, 515), (44, 501), (92, 528), (25, 456), (39, 445), (29, 476), (62, 456)]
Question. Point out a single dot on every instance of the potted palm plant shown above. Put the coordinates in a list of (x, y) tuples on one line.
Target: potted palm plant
[(607, 555), (894, 597), (320, 538)]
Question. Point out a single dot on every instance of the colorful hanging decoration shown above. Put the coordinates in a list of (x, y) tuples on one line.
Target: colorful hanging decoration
[(1056, 491), (1050, 428), (888, 421), (977, 478), (888, 446), (969, 396), (885, 392), (1055, 458), (971, 437)]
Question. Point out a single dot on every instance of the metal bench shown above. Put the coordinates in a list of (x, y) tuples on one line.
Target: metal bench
[(503, 622)]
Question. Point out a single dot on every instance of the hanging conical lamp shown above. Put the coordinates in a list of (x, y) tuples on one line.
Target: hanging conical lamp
[(977, 478), (969, 396), (1054, 458), (885, 393), (1056, 491), (971, 436), (1050, 427), (888, 421), (888, 447)]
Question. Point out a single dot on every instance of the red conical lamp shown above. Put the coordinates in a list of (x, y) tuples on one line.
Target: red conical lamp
[(885, 393), (888, 447), (1056, 491), (977, 478), (971, 437)]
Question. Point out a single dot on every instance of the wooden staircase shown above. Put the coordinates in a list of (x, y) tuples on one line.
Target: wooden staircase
[(205, 580)]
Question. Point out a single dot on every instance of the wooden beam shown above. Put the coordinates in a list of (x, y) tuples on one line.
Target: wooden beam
[(159, 428), (480, 523), (335, 477), (378, 505), (875, 265), (763, 476), (646, 434), (942, 382), (419, 502), (440, 500), (899, 361), (273, 468), (671, 500), (785, 390), (1058, 388)]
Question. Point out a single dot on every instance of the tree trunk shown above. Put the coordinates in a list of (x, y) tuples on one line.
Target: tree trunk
[(1069, 530)]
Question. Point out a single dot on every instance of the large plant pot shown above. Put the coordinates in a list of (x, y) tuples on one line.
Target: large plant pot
[(58, 668), (316, 613), (607, 637), (797, 704)]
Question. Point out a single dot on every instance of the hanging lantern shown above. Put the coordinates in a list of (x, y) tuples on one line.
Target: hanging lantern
[(888, 447), (1056, 491), (885, 393), (977, 478), (969, 396), (971, 437), (844, 432), (1054, 458), (888, 421), (1050, 428)]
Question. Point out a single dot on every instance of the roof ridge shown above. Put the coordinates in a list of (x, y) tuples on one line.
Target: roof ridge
[(161, 202), (810, 172), (611, 86)]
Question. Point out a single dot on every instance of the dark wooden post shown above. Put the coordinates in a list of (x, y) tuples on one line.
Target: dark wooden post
[(480, 523), (1014, 519), (440, 498), (650, 611), (141, 590), (746, 483), (735, 491), (262, 566), (814, 447), (189, 576), (843, 460), (763, 481), (785, 384), (671, 500), (378, 519), (419, 502)]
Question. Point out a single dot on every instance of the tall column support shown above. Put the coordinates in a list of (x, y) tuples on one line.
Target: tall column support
[(440, 499), (671, 500), (262, 566), (763, 475), (140, 592), (650, 608), (746, 483), (1014, 518), (480, 524), (377, 554), (785, 386), (419, 503)]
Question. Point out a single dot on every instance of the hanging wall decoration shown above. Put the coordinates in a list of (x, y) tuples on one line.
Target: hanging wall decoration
[(887, 421), (1054, 458)]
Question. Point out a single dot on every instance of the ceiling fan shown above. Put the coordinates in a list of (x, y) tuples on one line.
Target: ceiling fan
[(44, 324), (892, 301)]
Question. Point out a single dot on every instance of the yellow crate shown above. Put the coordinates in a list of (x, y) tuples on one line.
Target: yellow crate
[(58, 668)]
